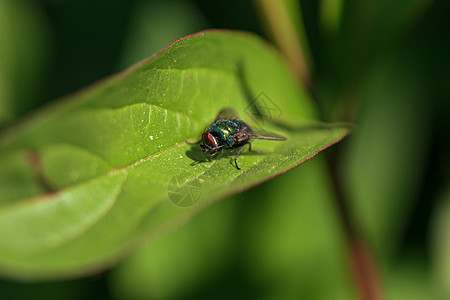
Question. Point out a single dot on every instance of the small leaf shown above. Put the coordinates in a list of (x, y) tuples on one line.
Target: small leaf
[(83, 182)]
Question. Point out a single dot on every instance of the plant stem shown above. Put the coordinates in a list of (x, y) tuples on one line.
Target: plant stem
[(362, 263), (290, 39), (286, 36)]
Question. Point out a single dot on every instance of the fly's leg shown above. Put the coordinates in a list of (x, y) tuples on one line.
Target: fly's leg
[(237, 155)]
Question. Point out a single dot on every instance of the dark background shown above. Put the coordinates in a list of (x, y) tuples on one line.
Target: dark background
[(384, 66)]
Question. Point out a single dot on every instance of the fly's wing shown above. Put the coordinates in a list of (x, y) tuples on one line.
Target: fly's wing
[(228, 113), (259, 134)]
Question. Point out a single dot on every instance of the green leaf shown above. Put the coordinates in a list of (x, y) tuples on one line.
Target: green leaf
[(110, 167)]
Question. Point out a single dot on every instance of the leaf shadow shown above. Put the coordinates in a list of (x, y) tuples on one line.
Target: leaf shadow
[(196, 154), (249, 95)]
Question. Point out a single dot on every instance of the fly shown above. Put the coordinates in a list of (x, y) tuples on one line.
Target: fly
[(228, 132)]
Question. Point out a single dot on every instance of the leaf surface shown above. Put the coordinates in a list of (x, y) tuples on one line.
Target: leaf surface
[(86, 180)]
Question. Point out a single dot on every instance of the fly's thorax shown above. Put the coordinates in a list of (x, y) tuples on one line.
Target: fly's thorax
[(225, 129)]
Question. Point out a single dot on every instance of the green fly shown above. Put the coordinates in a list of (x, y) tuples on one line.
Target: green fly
[(228, 132)]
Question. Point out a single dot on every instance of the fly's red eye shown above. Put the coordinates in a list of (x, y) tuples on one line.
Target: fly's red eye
[(209, 140)]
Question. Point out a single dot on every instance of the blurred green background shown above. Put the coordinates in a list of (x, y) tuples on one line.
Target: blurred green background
[(381, 64)]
